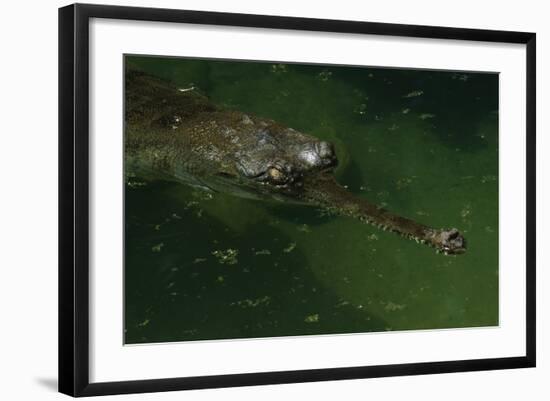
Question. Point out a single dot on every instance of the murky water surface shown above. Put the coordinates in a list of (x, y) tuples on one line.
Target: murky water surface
[(423, 144)]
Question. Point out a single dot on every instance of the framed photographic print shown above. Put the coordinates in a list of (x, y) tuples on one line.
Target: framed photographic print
[(249, 199)]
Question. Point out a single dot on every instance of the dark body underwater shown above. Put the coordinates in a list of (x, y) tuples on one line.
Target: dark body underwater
[(234, 253)]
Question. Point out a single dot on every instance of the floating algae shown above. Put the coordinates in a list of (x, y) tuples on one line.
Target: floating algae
[(414, 94), (158, 247), (263, 252), (252, 303), (290, 247), (227, 257), (312, 318), (324, 75)]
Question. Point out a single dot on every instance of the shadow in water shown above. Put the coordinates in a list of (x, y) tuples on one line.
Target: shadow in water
[(197, 279)]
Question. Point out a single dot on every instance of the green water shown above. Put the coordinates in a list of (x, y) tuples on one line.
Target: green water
[(424, 144)]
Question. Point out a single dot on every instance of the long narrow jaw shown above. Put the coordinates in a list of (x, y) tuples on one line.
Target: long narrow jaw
[(324, 191)]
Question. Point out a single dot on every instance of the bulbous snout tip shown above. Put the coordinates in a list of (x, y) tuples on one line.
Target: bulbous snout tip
[(450, 242)]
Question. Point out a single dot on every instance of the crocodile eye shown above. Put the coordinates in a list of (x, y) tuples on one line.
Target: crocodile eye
[(276, 176)]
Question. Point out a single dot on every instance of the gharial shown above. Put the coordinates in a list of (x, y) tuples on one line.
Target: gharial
[(180, 135)]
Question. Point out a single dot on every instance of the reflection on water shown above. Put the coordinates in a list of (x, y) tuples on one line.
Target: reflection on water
[(423, 144)]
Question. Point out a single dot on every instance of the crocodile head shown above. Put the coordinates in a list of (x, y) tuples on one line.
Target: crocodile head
[(279, 163), (262, 159)]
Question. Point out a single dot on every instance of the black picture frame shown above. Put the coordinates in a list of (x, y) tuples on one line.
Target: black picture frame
[(74, 198)]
